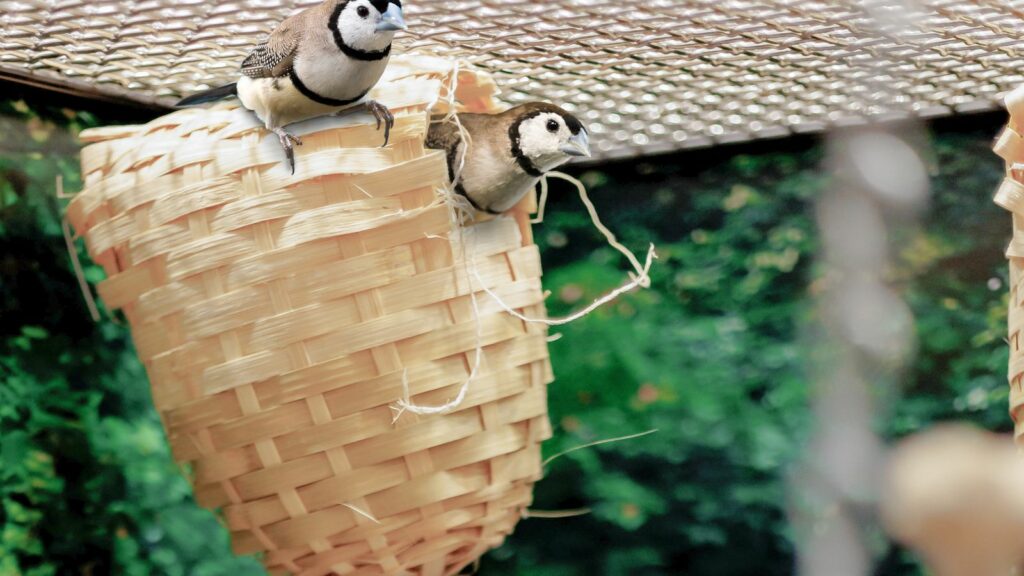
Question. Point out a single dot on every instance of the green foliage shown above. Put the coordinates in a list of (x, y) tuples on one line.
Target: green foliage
[(87, 485), (711, 356), (708, 356)]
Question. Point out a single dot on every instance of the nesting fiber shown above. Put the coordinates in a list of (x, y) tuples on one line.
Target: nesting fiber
[(277, 316)]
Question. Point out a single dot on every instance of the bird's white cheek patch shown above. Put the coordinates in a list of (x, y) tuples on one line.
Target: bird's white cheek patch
[(361, 33), (534, 138)]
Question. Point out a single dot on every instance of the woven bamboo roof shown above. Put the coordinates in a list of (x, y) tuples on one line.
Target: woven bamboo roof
[(646, 75)]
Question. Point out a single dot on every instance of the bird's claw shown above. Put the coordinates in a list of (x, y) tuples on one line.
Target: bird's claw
[(288, 143), (383, 116)]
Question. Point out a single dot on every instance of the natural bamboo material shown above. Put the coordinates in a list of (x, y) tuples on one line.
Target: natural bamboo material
[(1010, 146), (279, 318)]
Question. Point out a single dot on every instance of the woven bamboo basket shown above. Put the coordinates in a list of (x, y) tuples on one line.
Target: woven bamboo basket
[(1010, 146), (281, 317)]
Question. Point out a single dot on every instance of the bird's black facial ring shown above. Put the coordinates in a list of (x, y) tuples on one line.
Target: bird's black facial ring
[(365, 55)]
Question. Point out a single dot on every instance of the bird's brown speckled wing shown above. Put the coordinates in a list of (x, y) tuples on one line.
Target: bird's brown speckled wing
[(273, 58)]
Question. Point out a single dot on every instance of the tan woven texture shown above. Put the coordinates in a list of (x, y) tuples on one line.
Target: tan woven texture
[(278, 315), (645, 75), (1010, 146)]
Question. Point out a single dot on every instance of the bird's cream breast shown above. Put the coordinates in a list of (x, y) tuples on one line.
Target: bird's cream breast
[(277, 102), (493, 180)]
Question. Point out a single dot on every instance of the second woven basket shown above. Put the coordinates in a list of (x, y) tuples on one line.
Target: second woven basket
[(280, 316), (1010, 146)]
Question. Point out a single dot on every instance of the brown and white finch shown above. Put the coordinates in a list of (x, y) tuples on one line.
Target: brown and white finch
[(508, 152), (318, 62)]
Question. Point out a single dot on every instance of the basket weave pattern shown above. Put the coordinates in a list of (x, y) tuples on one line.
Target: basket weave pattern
[(278, 315), (1010, 146)]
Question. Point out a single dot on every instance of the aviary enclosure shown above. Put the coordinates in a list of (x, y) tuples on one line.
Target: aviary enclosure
[(503, 287)]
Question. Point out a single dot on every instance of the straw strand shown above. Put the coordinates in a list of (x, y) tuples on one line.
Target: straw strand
[(458, 212), (76, 264), (639, 277), (554, 457)]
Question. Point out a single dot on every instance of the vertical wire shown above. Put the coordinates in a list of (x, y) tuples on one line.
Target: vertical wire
[(862, 335)]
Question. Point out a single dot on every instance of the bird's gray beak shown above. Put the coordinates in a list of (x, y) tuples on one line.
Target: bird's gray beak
[(578, 145), (391, 19)]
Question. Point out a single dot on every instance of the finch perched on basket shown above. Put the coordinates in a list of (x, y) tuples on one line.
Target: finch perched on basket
[(318, 62)]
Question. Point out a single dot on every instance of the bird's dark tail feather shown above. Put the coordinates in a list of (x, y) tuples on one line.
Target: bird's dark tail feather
[(211, 95)]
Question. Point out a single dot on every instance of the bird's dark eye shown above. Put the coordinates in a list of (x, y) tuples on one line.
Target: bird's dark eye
[(363, 11), (552, 126)]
